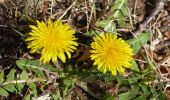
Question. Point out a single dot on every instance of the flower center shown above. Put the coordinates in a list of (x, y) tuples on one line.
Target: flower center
[(51, 39), (109, 51)]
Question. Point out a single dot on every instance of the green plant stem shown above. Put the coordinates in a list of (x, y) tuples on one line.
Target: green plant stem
[(36, 8), (24, 81)]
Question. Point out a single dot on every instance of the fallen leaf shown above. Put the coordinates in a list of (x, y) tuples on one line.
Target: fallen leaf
[(2, 1), (167, 34)]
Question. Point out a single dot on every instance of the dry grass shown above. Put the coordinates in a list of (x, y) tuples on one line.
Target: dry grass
[(82, 15)]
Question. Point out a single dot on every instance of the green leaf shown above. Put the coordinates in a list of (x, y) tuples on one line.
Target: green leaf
[(145, 89), (34, 65), (33, 88), (19, 86), (108, 25), (109, 78), (92, 33), (127, 95), (122, 80), (132, 80), (135, 88), (24, 75), (11, 75), (68, 82), (10, 88), (28, 64), (3, 92), (135, 66), (134, 84), (108, 97), (140, 98), (153, 90), (138, 42), (31, 65), (119, 10), (27, 97), (2, 77), (57, 96), (162, 97)]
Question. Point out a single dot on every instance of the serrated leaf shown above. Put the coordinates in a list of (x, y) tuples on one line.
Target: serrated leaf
[(162, 97), (33, 64), (109, 78), (2, 77), (108, 97), (145, 89), (57, 96), (107, 25), (119, 11), (127, 95), (121, 80), (135, 88), (153, 90), (19, 86), (27, 64), (33, 88), (132, 81), (134, 84), (24, 75), (3, 92), (135, 66), (140, 98), (11, 75), (10, 87), (68, 82), (92, 33), (138, 42), (27, 97), (119, 7)]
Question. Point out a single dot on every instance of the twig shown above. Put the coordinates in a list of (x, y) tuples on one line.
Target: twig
[(4, 26), (158, 8), (86, 12), (84, 87), (52, 2), (68, 9)]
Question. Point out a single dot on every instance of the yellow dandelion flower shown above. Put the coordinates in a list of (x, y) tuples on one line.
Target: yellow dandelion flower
[(111, 53), (53, 40)]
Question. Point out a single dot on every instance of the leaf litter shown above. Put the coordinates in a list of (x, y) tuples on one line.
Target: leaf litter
[(83, 15)]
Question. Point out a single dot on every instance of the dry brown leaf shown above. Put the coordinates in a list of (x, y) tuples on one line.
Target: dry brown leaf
[(167, 34), (84, 56), (2, 1)]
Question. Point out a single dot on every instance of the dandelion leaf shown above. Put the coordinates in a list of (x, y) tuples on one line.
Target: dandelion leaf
[(2, 77), (138, 41), (3, 92)]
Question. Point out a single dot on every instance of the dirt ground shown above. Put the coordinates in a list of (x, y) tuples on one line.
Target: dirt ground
[(16, 15)]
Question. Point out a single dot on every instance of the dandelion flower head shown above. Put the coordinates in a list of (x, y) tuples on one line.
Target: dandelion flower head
[(111, 53), (52, 40)]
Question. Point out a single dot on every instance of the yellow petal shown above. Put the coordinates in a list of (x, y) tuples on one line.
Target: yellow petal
[(68, 54), (62, 57), (110, 53)]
